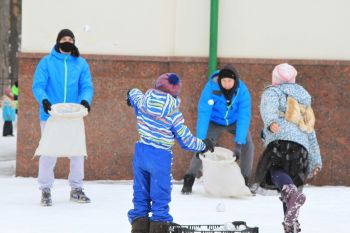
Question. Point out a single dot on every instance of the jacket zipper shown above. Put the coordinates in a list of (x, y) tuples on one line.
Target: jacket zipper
[(229, 107), (65, 79)]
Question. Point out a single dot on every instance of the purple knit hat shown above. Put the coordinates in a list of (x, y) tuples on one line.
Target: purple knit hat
[(169, 83)]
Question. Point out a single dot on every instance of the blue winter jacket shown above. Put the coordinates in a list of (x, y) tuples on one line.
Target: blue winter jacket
[(159, 121), (62, 78), (212, 107), (8, 112)]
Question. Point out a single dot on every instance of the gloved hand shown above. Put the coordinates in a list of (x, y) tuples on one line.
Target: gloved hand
[(209, 145), (127, 98), (237, 151), (46, 105), (85, 104)]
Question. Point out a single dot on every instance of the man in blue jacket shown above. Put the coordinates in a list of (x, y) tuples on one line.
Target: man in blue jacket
[(62, 77), (224, 105)]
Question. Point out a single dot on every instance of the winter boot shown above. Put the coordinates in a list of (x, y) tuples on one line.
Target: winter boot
[(188, 183), (295, 228), (77, 195), (140, 225), (159, 227), (250, 186), (294, 200), (46, 197)]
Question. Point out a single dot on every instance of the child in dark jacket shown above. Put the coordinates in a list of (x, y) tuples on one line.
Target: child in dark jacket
[(159, 121)]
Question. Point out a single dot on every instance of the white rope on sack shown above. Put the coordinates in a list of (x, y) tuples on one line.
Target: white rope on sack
[(64, 132), (221, 174)]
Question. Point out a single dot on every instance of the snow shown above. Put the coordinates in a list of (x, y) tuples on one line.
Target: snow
[(327, 209), (7, 151)]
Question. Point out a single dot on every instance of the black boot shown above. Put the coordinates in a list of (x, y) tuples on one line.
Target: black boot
[(159, 227), (188, 183), (250, 186), (140, 225)]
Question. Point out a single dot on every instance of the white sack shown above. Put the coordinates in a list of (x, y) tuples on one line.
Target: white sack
[(221, 174), (64, 132)]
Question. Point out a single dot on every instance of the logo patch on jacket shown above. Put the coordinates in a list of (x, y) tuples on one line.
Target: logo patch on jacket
[(211, 102), (216, 92)]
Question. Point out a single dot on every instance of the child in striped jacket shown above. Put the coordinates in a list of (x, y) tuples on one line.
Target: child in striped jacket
[(159, 122)]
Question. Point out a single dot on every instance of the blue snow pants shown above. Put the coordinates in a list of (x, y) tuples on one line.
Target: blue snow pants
[(152, 183)]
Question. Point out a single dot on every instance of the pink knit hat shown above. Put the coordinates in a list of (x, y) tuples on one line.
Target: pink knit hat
[(169, 83), (8, 92), (283, 73)]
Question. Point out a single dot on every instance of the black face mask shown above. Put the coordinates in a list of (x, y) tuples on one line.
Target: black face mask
[(66, 47)]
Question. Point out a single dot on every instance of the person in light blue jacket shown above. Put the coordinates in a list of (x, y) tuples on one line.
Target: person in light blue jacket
[(292, 152), (63, 76), (224, 105), (8, 114)]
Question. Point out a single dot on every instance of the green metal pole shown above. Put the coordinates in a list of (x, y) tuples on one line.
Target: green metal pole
[(213, 47)]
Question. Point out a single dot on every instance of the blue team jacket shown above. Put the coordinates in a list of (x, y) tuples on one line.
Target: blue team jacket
[(212, 107), (62, 78)]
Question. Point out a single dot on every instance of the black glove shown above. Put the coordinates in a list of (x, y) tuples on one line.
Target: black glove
[(85, 104), (197, 155), (237, 151), (209, 145), (127, 98), (46, 105)]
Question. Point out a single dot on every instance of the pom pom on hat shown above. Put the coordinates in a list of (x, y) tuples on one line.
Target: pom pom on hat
[(169, 83)]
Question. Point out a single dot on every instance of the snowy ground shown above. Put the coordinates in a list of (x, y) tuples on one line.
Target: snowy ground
[(7, 151), (327, 209)]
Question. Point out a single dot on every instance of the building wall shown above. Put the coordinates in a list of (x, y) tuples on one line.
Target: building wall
[(111, 125), (247, 29)]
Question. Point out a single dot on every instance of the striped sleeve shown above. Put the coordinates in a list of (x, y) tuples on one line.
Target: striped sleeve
[(135, 96), (184, 136)]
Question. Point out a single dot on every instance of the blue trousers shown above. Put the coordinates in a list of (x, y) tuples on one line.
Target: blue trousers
[(152, 183)]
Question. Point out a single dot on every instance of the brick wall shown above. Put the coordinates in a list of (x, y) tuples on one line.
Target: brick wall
[(111, 125)]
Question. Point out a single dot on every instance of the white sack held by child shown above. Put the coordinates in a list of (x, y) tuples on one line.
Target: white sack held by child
[(64, 133), (221, 174)]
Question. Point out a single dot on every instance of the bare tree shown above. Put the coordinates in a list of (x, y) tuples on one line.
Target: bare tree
[(14, 37), (10, 20), (4, 43)]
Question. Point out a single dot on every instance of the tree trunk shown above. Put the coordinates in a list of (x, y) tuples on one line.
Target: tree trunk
[(10, 19), (4, 44), (14, 39)]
